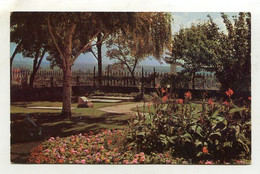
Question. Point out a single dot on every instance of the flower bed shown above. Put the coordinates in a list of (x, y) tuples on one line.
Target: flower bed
[(103, 148), (179, 132)]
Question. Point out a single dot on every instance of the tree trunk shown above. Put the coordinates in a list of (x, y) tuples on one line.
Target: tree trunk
[(12, 58), (133, 76), (99, 46), (66, 107), (32, 78), (193, 80)]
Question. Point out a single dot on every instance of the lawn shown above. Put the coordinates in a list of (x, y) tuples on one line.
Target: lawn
[(21, 107), (24, 135), (50, 123)]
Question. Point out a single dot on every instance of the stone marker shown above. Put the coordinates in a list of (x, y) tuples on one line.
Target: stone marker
[(84, 102)]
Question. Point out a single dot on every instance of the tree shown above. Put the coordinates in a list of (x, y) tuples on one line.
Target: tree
[(233, 64), (98, 54), (151, 36), (192, 48), (119, 50), (73, 33), (31, 39)]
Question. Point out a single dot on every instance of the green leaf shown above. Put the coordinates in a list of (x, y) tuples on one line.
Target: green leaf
[(214, 115), (236, 110), (214, 135), (198, 143), (227, 144)]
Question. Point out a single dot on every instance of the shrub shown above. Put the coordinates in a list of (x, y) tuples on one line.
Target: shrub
[(209, 131)]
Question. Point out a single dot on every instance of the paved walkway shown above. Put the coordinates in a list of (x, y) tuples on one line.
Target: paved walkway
[(121, 109)]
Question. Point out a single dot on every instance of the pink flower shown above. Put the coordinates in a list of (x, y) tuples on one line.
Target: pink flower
[(141, 153), (98, 160), (135, 161), (209, 162), (83, 161), (125, 162), (142, 159), (226, 103)]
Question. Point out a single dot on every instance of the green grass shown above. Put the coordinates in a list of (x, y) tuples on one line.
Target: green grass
[(52, 124), (21, 107)]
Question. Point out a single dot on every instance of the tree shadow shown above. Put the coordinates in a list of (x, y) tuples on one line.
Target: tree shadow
[(41, 126), (27, 135)]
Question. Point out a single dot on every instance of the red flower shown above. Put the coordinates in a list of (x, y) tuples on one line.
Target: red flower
[(157, 86), (188, 95), (205, 150), (226, 103), (163, 91), (149, 104), (179, 101), (210, 102), (229, 92), (249, 98), (165, 98)]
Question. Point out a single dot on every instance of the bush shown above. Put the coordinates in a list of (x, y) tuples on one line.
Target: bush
[(209, 131)]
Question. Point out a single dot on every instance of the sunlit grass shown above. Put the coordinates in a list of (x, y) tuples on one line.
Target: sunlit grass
[(21, 107)]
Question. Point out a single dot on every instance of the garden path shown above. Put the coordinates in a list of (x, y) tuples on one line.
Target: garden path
[(122, 109)]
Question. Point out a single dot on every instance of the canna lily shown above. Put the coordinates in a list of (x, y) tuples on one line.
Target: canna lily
[(229, 92), (205, 150), (188, 95), (179, 101), (210, 102), (226, 103), (165, 98)]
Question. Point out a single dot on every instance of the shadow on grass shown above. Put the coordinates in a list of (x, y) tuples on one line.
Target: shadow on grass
[(52, 125), (25, 135)]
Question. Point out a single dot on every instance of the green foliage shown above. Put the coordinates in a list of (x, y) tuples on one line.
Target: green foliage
[(179, 80), (190, 48), (233, 64), (210, 132)]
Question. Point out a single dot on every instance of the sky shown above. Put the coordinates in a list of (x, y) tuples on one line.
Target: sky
[(184, 19)]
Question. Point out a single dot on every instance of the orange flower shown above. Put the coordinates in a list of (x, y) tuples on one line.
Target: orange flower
[(179, 101), (205, 150), (165, 98), (163, 91), (249, 98), (210, 102), (188, 95), (149, 104), (229, 92)]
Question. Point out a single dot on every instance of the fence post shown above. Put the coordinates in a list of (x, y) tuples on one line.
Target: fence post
[(108, 80), (142, 83), (94, 77), (154, 76), (77, 80)]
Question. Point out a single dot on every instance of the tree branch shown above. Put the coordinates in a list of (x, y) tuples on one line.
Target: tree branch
[(55, 43), (85, 47), (40, 61)]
